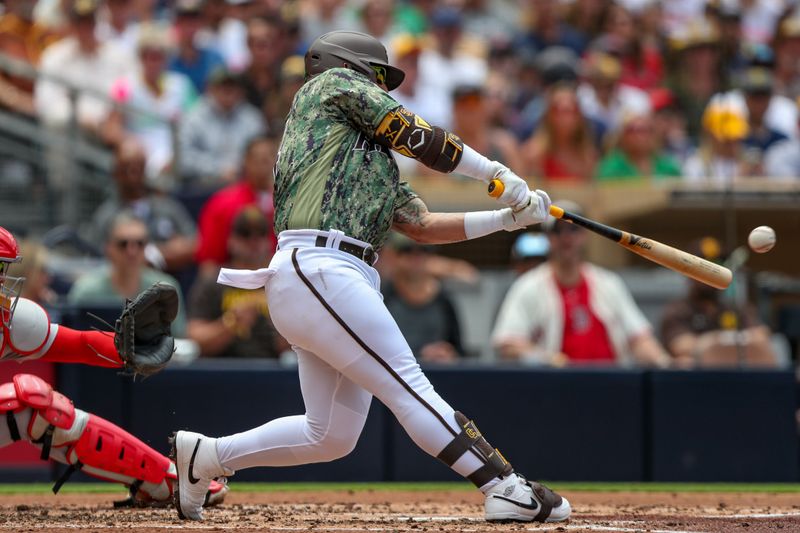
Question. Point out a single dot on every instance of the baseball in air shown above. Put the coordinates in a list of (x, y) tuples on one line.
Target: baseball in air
[(761, 239)]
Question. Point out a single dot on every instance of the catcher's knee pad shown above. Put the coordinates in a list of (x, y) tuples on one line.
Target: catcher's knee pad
[(470, 439), (52, 410)]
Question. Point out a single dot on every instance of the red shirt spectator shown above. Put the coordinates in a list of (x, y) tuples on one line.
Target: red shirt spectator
[(254, 188), (562, 146), (627, 38), (585, 336), (569, 311)]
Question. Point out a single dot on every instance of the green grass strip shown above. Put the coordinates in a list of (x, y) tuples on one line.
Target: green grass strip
[(83, 488), (675, 487), (69, 488)]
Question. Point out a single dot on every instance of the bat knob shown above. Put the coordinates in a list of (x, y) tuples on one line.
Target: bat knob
[(496, 188)]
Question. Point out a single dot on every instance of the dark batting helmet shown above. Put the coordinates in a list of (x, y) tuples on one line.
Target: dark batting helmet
[(355, 50)]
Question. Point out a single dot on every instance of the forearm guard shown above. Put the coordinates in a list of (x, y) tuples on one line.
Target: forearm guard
[(409, 134)]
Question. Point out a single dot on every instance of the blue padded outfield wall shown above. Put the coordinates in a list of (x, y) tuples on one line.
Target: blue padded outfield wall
[(581, 425)]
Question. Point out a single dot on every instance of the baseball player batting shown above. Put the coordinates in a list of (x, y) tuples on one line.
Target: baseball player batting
[(337, 195), (31, 410)]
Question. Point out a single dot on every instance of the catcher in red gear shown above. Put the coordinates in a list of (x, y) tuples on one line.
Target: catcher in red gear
[(31, 410)]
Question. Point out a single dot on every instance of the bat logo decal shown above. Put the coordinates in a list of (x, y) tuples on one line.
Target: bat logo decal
[(635, 240)]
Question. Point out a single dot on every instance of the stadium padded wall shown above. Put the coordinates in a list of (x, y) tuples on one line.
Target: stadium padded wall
[(566, 425), (723, 426)]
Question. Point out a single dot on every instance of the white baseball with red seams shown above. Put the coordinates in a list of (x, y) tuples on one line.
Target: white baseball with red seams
[(762, 239)]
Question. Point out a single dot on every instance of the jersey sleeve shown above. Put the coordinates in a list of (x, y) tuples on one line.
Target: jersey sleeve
[(404, 195), (355, 99)]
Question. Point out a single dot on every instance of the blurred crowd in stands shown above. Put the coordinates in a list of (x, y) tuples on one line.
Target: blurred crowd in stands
[(192, 95), (558, 89)]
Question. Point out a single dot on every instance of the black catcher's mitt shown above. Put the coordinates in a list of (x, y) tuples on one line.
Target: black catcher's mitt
[(142, 333)]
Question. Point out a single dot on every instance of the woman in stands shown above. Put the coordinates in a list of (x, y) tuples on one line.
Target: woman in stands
[(562, 146)]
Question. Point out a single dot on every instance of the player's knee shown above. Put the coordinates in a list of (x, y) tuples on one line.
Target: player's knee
[(332, 448)]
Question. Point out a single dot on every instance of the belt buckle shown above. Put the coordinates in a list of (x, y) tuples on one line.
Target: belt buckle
[(367, 255)]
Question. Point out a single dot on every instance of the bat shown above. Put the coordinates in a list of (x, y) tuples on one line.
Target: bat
[(685, 263)]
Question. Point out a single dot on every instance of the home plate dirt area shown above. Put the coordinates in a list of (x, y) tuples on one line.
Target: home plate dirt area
[(344, 511)]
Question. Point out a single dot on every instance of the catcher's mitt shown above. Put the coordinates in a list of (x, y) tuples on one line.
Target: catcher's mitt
[(142, 333)]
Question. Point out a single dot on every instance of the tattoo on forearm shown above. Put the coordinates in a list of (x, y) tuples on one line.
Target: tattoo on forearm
[(412, 213)]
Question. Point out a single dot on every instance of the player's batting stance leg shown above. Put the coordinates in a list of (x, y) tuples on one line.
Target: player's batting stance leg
[(354, 350), (337, 193)]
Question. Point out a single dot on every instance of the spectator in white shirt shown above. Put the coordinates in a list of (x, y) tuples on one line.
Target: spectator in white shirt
[(224, 34), (117, 25), (82, 62), (455, 59), (569, 311), (157, 97), (782, 160)]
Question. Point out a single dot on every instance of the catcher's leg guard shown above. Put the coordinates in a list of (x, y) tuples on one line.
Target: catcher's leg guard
[(107, 451), (471, 440), (35, 412)]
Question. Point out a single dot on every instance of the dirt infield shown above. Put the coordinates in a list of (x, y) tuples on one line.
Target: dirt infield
[(408, 511)]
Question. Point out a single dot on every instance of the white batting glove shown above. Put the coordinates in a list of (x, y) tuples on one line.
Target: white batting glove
[(515, 192), (535, 212)]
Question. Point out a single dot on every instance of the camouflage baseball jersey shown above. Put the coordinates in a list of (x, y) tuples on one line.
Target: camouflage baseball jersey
[(330, 173)]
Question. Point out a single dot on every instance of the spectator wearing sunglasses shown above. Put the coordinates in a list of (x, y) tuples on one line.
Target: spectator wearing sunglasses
[(419, 303), (125, 273), (571, 312)]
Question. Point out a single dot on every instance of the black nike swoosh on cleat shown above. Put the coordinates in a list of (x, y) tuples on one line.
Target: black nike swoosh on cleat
[(193, 479), (530, 506)]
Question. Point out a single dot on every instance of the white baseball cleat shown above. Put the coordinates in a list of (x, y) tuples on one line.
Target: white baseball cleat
[(517, 500), (195, 457)]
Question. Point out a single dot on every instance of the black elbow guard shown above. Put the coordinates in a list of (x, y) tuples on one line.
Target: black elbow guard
[(409, 135)]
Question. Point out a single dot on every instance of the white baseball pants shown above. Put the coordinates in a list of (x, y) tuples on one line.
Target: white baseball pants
[(328, 305)]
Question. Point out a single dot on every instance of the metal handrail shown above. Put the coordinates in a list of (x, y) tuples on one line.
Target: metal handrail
[(77, 146), (20, 68), (23, 69)]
